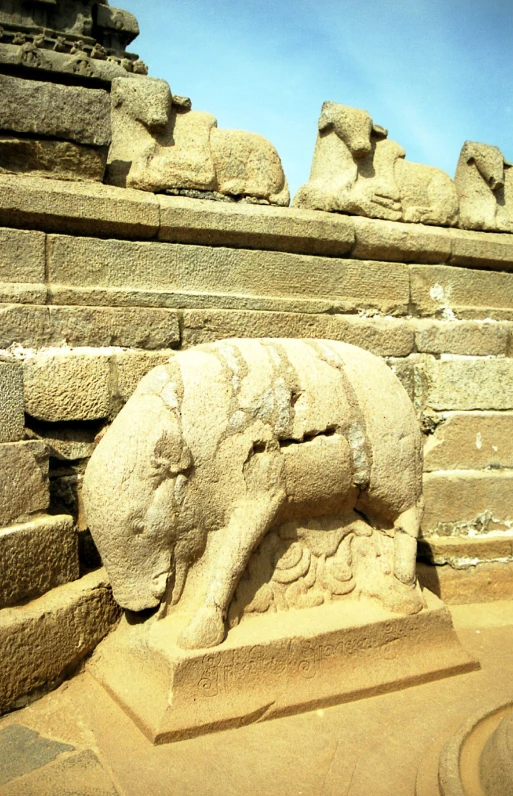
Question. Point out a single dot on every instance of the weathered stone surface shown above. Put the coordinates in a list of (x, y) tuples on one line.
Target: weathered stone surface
[(19, 293), (355, 169), (411, 372), (68, 385), (482, 583), (447, 292), (175, 299), (83, 767), (61, 160), (471, 441), (23, 750), (391, 240), (12, 415), (279, 432), (482, 178), (96, 25), (71, 113), (467, 384), (37, 556), (153, 146), (184, 220), (465, 552), (22, 256), (273, 675), (380, 336), (490, 250), (467, 502), (23, 480), (63, 626), (129, 367), (348, 284), (37, 326), (247, 164), (157, 146), (66, 441), (467, 338), (60, 206)]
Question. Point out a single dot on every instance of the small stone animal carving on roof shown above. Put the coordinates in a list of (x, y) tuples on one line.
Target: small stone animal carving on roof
[(305, 453), (159, 145), (357, 169), (484, 181)]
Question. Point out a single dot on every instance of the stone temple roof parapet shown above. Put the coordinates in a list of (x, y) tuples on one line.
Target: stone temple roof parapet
[(87, 38)]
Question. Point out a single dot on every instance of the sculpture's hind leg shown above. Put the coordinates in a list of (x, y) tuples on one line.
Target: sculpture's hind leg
[(405, 596)]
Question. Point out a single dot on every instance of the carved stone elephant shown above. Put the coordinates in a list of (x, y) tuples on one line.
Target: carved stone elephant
[(231, 439)]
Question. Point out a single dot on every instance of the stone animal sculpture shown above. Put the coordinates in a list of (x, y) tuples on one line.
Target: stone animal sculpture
[(484, 181), (357, 170), (230, 439), (159, 144)]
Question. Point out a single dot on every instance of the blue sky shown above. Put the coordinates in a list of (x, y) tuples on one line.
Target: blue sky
[(434, 72)]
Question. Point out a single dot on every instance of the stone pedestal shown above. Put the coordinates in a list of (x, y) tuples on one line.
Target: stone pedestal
[(274, 664)]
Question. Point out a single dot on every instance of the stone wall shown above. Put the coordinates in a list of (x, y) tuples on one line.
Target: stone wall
[(99, 284)]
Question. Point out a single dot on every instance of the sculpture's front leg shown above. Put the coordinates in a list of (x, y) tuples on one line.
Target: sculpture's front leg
[(250, 520)]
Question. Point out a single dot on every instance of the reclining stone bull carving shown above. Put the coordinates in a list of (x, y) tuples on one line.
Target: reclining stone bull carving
[(484, 181), (357, 169), (159, 143), (231, 440)]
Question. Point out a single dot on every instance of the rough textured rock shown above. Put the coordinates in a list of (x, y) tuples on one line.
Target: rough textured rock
[(61, 160), (157, 146), (463, 552), (66, 441), (12, 414), (480, 583), (82, 208), (347, 285), (478, 339), (184, 220), (467, 384), (36, 326), (37, 556), (471, 441), (70, 113), (382, 337), (73, 385), (356, 169), (278, 448), (129, 367), (391, 240), (23, 480), (22, 256), (447, 293), (63, 626), (484, 181), (490, 250), (468, 502), (246, 164)]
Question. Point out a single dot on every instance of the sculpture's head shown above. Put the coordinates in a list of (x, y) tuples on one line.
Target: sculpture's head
[(147, 100), (353, 126), (488, 160), (131, 498)]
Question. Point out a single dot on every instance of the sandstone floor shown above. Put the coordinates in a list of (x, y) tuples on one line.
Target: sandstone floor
[(77, 741)]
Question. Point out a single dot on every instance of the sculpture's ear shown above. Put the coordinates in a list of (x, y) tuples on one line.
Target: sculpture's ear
[(170, 457), (379, 131), (326, 118)]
